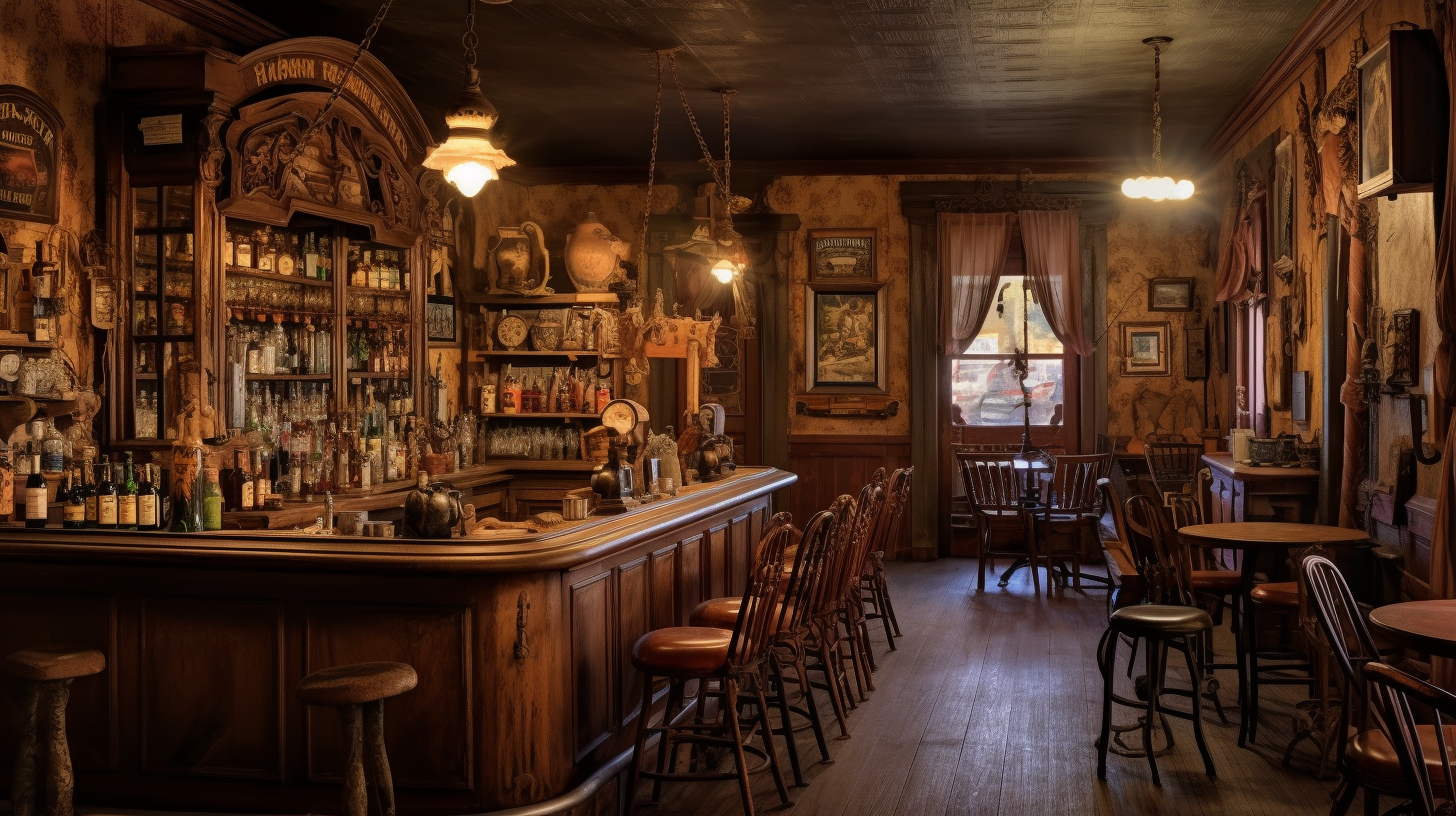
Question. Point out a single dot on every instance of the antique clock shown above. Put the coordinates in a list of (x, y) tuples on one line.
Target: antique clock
[(613, 481), (511, 331)]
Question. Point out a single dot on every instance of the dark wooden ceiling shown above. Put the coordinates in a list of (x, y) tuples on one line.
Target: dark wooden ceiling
[(830, 79)]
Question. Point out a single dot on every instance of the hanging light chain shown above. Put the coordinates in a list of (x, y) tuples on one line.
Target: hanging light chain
[(1157, 108), (727, 94), (364, 44), (693, 121), (470, 41), (652, 163)]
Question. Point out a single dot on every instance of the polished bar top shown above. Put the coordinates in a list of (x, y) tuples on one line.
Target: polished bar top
[(572, 544)]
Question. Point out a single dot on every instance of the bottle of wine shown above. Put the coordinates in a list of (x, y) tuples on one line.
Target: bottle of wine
[(147, 516), (36, 501), (126, 500), (73, 506), (88, 486), (106, 502), (245, 483)]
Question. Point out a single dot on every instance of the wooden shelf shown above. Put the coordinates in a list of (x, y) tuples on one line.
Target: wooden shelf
[(286, 377), (249, 272), (15, 340), (377, 375), (520, 301), (140, 375), (541, 416), (367, 290), (476, 356)]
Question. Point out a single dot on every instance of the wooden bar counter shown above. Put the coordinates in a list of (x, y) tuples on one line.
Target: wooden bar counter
[(521, 642)]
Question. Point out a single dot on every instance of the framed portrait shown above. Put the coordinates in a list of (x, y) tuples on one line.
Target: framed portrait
[(844, 338), (1375, 115), (1170, 295), (842, 256), (1195, 353), (1299, 396), (440, 319), (1145, 349), (1402, 99)]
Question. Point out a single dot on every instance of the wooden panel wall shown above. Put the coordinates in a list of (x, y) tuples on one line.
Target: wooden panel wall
[(828, 466)]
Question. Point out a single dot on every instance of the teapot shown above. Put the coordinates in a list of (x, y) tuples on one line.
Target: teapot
[(432, 510)]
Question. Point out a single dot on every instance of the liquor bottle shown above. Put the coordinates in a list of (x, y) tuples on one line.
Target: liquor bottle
[(243, 250), (106, 501), (73, 509), (88, 485), (286, 263), (262, 483), (604, 395), (126, 499), (211, 500), (267, 251), (245, 482), (36, 501), (325, 258), (42, 284), (147, 516)]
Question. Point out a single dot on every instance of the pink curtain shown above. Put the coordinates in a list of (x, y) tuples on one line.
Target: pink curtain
[(1443, 571), (972, 251), (1243, 255), (1054, 264)]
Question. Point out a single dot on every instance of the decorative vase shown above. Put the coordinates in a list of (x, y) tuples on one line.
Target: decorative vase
[(593, 255), (545, 335)]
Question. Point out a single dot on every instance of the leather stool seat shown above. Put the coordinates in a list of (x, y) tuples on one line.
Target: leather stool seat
[(54, 663), (719, 613), (1281, 593), (357, 683), (1215, 580), (1164, 620), (682, 651), (1374, 759)]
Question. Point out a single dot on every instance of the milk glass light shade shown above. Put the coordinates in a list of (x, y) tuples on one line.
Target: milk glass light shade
[(467, 157)]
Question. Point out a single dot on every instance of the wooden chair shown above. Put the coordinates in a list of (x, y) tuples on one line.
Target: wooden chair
[(738, 662), (1171, 465), (995, 490), (869, 516), (874, 585), (358, 691), (1171, 620), (1424, 751), (45, 677), (1068, 510), (1122, 570), (792, 644)]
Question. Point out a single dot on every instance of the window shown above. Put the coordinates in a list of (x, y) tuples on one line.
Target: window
[(985, 385)]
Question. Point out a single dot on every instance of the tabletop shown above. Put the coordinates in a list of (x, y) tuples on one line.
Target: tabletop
[(1429, 626), (1253, 535)]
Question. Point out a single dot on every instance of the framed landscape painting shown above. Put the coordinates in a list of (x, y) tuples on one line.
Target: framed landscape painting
[(1145, 349), (844, 338)]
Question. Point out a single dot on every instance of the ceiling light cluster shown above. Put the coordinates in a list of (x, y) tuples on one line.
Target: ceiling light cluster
[(1157, 187)]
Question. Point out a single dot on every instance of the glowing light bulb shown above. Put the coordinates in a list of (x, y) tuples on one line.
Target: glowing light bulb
[(724, 271), (469, 177)]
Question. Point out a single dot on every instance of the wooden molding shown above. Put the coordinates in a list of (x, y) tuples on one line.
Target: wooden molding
[(222, 19), (1324, 23)]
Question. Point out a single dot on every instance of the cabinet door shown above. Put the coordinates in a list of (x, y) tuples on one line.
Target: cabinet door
[(163, 313)]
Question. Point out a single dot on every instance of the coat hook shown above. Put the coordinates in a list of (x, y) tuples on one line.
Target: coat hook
[(1425, 454)]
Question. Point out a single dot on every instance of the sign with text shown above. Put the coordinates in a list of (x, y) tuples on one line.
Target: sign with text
[(29, 140)]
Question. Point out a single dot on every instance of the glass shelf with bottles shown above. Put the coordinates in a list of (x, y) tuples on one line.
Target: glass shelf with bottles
[(560, 392), (301, 256), (376, 350)]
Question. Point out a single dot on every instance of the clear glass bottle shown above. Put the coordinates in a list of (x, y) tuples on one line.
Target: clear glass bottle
[(52, 449)]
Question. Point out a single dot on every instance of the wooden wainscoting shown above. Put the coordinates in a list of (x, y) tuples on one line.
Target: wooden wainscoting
[(831, 464)]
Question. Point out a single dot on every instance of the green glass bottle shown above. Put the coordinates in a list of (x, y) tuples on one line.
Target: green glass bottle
[(211, 501)]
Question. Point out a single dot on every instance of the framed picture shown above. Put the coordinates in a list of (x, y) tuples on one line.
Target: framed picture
[(1401, 98), (1281, 247), (1195, 353), (1299, 396), (440, 319), (842, 256), (1145, 349), (1170, 295), (844, 338), (29, 156)]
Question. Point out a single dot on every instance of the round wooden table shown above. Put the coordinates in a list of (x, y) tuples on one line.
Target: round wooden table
[(1251, 537), (1429, 626)]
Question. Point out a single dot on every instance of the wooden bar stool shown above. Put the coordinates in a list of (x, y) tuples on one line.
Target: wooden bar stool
[(45, 677), (359, 690)]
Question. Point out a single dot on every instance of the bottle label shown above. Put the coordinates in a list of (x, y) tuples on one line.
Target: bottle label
[(91, 507), (73, 513), (35, 503), (106, 511), (126, 511), (147, 511), (247, 499)]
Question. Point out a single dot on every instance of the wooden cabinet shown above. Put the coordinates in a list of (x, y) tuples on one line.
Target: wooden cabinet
[(1244, 493)]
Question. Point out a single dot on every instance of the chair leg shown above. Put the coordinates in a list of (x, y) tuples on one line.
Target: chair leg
[(1156, 655), (1106, 653), (786, 718), (768, 741), (981, 560), (882, 608), (730, 715), (640, 746), (374, 739), (60, 782), (1251, 647), (666, 748), (1348, 789), (355, 796), (22, 785), (1189, 647), (812, 705), (883, 582)]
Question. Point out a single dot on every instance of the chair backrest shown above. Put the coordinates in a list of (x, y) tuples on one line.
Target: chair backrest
[(1172, 464), (807, 577), (1162, 560), (1074, 483), (753, 634), (829, 591), (1129, 582), (1104, 444), (897, 498), (1188, 508), (992, 483), (1393, 692), (1342, 621), (869, 517), (1109, 500)]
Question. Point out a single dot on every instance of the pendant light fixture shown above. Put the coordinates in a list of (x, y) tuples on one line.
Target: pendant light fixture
[(467, 157), (1157, 187)]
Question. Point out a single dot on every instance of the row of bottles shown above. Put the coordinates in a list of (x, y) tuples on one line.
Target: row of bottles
[(559, 443), (374, 267), (261, 348), (306, 254), (376, 348), (112, 497), (560, 390)]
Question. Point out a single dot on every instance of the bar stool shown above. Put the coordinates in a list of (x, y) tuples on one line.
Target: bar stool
[(45, 677), (1275, 597), (874, 584), (358, 691)]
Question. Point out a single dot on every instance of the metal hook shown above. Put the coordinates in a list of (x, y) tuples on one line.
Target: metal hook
[(1425, 454)]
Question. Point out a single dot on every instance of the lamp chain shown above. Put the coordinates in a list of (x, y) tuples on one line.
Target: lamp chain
[(364, 44), (652, 164), (727, 94), (1157, 109), (693, 121), (470, 41)]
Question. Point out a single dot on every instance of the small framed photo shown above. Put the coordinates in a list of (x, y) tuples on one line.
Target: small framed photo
[(440, 319), (1299, 396), (845, 339), (1145, 349), (1195, 353), (842, 256), (1170, 295)]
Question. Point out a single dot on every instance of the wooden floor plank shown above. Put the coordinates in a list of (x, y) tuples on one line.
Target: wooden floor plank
[(991, 705)]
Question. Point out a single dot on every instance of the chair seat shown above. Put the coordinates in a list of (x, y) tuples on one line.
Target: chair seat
[(682, 651), (1161, 619), (1215, 580), (718, 613), (54, 663), (1280, 593), (357, 683), (1375, 761)]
